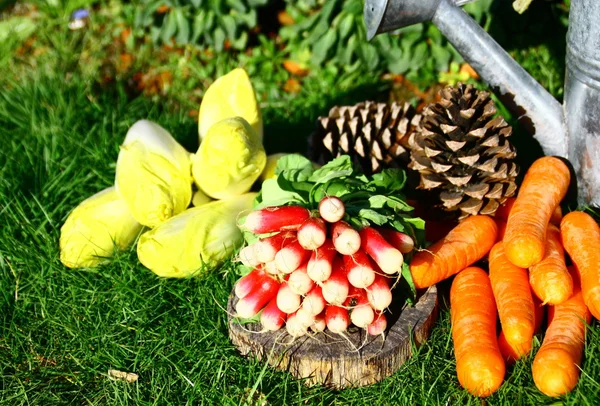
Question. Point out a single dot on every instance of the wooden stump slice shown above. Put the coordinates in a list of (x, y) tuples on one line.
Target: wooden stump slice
[(332, 360)]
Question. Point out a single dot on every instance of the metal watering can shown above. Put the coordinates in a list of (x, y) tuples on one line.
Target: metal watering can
[(571, 130)]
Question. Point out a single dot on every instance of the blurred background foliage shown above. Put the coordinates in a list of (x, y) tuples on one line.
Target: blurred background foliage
[(170, 50)]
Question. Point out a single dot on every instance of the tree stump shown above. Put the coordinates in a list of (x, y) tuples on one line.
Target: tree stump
[(335, 361)]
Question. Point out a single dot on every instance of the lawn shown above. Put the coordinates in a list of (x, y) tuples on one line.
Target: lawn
[(61, 330)]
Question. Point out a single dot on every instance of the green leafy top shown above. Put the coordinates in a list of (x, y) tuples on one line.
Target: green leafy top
[(370, 200)]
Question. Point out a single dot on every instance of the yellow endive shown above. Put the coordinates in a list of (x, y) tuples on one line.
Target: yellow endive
[(95, 228), (199, 198), (230, 95), (153, 174), (230, 159), (204, 235), (271, 165)]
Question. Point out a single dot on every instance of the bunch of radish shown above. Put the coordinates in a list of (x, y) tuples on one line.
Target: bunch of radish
[(313, 271)]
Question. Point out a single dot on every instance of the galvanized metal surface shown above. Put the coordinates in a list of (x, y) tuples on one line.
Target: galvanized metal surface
[(388, 15), (582, 97)]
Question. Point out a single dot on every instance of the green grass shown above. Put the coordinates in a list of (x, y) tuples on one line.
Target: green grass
[(61, 330)]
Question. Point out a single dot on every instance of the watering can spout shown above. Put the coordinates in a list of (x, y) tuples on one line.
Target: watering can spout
[(575, 135)]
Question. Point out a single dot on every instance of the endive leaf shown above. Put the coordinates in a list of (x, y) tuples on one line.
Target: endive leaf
[(201, 236), (230, 159), (95, 228), (229, 96), (153, 174)]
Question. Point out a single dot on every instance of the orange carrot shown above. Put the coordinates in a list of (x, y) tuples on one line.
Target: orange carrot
[(504, 210), (550, 279), (581, 239), (466, 244), (479, 364), (556, 365), (510, 353), (543, 188), (510, 285)]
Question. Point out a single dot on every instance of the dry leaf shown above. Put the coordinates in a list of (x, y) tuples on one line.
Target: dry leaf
[(125, 34), (125, 61), (468, 69), (128, 377), (284, 18), (521, 5), (295, 68), (163, 9), (292, 86)]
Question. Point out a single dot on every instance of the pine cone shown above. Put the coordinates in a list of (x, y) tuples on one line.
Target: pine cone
[(375, 135), (462, 153)]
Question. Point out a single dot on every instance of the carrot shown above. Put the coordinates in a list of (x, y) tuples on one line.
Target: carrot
[(512, 353), (467, 243), (581, 239), (556, 365), (550, 279), (504, 210), (479, 364), (512, 293), (545, 185)]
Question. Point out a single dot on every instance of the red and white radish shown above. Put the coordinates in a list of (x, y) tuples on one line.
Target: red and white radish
[(248, 256), (312, 233), (249, 282), (378, 326), (379, 293), (321, 262), (314, 302), (362, 313), (332, 209), (272, 318), (346, 239), (295, 327), (336, 287), (337, 319), (305, 317), (252, 303), (273, 219), (388, 258), (291, 256), (319, 323), (359, 269), (266, 249), (271, 268), (402, 242), (287, 301), (299, 281)]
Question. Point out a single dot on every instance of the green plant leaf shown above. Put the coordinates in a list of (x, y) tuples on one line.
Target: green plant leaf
[(272, 194), (389, 179), (297, 166), (346, 25), (219, 39), (409, 280), (230, 26), (183, 27), (339, 167), (169, 27), (323, 46), (373, 216)]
